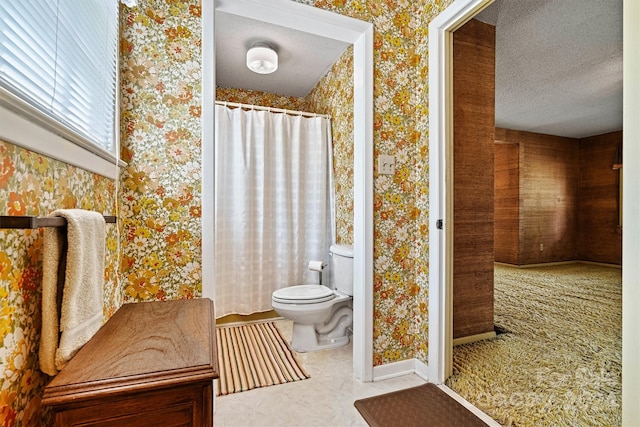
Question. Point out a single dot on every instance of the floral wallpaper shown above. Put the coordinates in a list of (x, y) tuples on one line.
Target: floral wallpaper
[(333, 95), (264, 99), (32, 184), (160, 190), (401, 245)]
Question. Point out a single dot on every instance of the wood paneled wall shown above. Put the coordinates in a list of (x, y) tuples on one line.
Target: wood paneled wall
[(473, 206), (549, 194), (507, 202), (599, 237), (567, 198)]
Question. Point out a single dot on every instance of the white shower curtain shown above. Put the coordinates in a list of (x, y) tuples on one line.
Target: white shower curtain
[(272, 205)]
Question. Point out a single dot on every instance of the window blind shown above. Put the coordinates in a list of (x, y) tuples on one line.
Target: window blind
[(58, 62)]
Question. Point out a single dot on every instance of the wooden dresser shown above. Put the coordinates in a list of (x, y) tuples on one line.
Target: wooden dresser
[(151, 364)]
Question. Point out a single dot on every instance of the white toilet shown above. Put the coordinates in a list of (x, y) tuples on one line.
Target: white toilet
[(322, 317)]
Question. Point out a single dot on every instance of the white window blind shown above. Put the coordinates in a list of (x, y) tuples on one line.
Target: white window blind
[(58, 63)]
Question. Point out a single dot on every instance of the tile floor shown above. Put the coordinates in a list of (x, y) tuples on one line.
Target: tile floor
[(325, 399)]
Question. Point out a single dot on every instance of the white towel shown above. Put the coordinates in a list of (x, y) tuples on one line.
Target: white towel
[(80, 305), (53, 265)]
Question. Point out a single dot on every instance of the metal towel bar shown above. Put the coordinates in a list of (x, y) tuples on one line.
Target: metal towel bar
[(38, 222)]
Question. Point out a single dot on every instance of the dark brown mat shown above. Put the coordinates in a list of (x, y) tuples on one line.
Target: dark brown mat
[(425, 405)]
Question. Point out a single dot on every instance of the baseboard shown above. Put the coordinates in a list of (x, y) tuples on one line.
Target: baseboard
[(474, 338), (551, 264), (399, 369), (601, 264), (242, 319), (392, 370), (541, 264)]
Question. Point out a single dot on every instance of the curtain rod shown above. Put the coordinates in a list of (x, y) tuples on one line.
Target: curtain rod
[(272, 109)]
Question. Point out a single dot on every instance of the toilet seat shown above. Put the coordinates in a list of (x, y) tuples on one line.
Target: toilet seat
[(303, 294)]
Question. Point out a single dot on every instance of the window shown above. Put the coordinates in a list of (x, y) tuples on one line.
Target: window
[(58, 68)]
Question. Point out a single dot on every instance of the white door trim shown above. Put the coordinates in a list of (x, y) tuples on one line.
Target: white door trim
[(334, 26), (631, 213), (440, 183)]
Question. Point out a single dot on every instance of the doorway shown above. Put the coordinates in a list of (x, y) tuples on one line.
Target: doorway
[(305, 18), (441, 219)]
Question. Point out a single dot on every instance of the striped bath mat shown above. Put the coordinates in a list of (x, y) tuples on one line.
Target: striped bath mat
[(254, 355)]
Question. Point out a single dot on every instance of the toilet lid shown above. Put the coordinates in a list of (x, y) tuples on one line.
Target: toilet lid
[(303, 294)]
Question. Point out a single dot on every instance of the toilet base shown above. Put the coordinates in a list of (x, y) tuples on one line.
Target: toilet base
[(305, 339)]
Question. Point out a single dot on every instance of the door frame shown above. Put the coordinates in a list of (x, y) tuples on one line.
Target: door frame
[(440, 144), (441, 31), (331, 25)]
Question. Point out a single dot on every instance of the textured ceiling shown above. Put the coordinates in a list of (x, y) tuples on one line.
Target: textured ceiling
[(303, 58), (558, 65)]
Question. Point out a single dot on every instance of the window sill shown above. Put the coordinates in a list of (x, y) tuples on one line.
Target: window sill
[(24, 133)]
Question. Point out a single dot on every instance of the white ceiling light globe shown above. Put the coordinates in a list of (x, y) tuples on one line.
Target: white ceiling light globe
[(262, 59)]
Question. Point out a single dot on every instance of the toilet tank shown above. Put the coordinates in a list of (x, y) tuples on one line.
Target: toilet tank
[(342, 265)]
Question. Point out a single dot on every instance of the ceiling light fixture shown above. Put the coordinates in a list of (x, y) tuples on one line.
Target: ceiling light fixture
[(262, 59)]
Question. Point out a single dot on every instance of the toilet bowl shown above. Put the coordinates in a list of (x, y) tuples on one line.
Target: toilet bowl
[(322, 317)]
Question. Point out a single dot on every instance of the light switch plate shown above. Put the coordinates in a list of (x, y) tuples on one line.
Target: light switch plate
[(386, 164)]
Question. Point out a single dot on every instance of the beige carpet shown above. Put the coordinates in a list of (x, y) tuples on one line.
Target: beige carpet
[(559, 363), (254, 355)]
